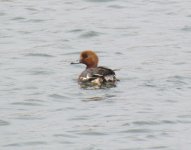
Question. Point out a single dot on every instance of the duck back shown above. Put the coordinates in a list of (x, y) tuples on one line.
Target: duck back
[(98, 76)]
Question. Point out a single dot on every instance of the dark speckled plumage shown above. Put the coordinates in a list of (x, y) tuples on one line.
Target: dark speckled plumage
[(106, 74)]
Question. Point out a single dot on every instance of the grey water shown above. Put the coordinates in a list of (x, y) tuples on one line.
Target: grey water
[(42, 107)]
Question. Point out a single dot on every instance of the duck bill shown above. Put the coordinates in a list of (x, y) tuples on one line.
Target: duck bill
[(77, 62)]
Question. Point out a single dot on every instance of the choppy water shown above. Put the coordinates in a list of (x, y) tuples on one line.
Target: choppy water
[(41, 104)]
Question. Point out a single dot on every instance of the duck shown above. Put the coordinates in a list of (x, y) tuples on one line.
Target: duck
[(95, 75)]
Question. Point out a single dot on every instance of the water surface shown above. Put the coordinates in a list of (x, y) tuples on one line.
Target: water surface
[(41, 104)]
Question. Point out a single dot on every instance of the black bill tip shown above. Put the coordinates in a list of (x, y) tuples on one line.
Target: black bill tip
[(75, 63)]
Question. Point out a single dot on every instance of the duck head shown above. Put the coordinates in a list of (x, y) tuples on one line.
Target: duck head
[(89, 58)]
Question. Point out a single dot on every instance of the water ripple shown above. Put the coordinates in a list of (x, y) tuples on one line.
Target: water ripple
[(32, 143), (76, 30), (18, 18), (92, 133), (186, 28), (65, 135), (2, 14), (40, 71), (4, 123), (117, 6), (99, 98), (145, 123), (99, 0), (90, 34), (25, 104), (39, 55), (58, 96), (137, 131), (158, 147)]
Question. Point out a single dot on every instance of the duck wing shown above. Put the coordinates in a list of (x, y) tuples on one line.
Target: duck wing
[(102, 74), (105, 74), (103, 71)]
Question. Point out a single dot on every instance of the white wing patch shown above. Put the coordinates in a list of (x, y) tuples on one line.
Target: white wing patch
[(110, 78), (88, 76)]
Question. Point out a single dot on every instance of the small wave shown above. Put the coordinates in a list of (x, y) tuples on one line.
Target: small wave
[(90, 34), (2, 14), (38, 55), (158, 147), (36, 20), (100, 0), (186, 28), (40, 72), (26, 103), (93, 133), (18, 18), (4, 123), (116, 6), (26, 143), (58, 96), (145, 123), (76, 30), (29, 102), (137, 131)]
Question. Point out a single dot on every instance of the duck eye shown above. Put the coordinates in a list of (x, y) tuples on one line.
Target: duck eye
[(84, 55)]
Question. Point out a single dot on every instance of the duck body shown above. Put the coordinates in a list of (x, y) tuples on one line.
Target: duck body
[(98, 76), (95, 75)]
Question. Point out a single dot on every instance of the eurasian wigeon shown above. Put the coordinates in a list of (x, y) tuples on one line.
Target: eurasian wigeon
[(94, 74)]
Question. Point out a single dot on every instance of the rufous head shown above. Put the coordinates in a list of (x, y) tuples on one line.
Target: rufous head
[(89, 58)]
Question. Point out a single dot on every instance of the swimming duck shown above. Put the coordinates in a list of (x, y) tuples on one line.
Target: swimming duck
[(94, 74)]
